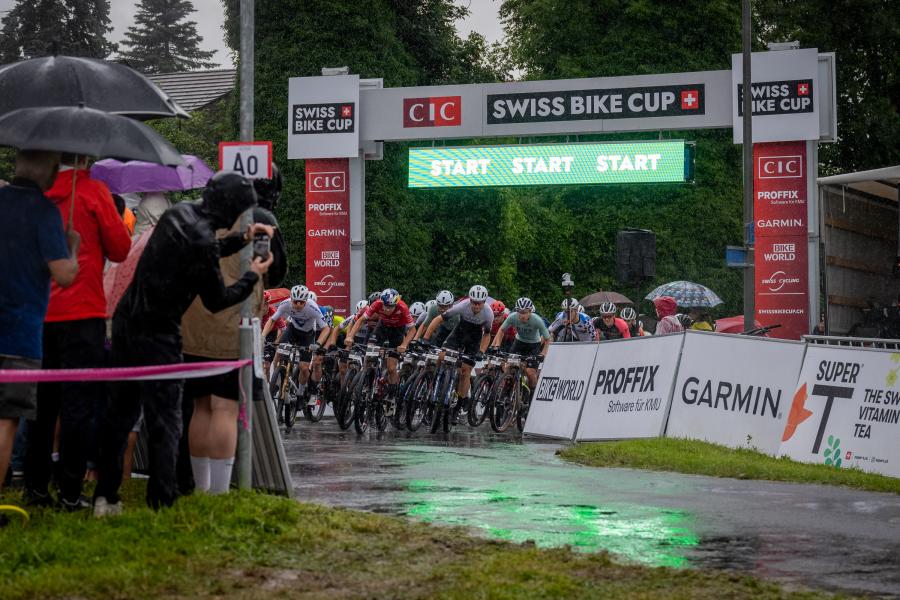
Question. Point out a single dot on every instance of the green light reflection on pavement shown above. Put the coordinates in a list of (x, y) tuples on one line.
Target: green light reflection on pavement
[(649, 535)]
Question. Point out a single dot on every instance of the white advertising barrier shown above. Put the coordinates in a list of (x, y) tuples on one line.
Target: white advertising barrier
[(734, 390), (846, 410), (564, 379), (629, 394)]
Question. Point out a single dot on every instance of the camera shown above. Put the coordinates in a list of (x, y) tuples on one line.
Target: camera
[(261, 246)]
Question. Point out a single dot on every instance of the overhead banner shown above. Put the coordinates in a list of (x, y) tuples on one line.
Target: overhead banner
[(628, 396), (846, 410), (560, 392), (780, 229), (734, 390), (328, 232), (550, 164), (783, 94), (322, 117)]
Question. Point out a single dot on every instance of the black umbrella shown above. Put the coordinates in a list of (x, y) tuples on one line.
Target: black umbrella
[(86, 132), (73, 80)]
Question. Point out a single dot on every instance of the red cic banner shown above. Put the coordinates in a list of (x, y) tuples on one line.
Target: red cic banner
[(780, 210), (328, 232)]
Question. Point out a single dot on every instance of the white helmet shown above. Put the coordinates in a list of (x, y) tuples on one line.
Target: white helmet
[(580, 308), (296, 291), (313, 297), (478, 293), (569, 304), (416, 309), (523, 304), (430, 304), (629, 314), (361, 305), (444, 298), (607, 308)]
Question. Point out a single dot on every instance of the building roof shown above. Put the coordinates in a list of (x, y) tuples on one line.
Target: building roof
[(196, 89), (884, 183)]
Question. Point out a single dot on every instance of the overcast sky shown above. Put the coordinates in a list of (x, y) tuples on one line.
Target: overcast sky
[(210, 17)]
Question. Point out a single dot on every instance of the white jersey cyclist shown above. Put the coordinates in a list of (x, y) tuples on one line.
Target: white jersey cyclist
[(582, 328), (308, 318)]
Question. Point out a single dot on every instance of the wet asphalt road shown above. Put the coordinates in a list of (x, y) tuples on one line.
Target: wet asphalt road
[(818, 536)]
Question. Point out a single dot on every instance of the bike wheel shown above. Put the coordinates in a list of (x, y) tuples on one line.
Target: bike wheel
[(275, 385), (481, 398), (419, 400), (291, 400), (398, 421), (504, 407), (363, 408), (314, 413), (344, 411), (524, 405)]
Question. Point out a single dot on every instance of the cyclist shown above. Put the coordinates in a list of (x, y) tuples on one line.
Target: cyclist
[(269, 340), (500, 314), (304, 320), (443, 301), (532, 336), (571, 325), (635, 327), (608, 325), (471, 335), (395, 326), (417, 309)]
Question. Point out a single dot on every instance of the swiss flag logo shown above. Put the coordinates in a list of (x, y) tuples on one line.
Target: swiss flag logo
[(347, 111), (803, 89), (690, 100)]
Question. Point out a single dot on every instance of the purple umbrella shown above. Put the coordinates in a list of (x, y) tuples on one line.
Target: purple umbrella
[(139, 176)]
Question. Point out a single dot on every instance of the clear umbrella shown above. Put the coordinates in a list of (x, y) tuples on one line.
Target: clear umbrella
[(687, 294)]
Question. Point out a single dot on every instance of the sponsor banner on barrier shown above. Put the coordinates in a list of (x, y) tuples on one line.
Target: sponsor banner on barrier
[(564, 379), (845, 411), (629, 393), (328, 232), (734, 390)]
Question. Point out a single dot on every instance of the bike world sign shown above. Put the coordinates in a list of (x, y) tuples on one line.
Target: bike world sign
[(629, 393), (734, 390), (550, 164), (845, 411), (565, 376)]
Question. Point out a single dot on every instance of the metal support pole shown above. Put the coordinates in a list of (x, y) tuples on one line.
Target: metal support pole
[(749, 270), (357, 229), (245, 429)]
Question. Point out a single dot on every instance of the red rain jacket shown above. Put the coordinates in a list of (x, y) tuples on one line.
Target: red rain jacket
[(103, 235)]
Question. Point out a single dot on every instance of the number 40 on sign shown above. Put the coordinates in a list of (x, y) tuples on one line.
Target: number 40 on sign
[(251, 159)]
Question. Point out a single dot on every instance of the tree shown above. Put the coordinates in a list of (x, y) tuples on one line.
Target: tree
[(163, 41), (74, 27), (88, 27), (865, 35)]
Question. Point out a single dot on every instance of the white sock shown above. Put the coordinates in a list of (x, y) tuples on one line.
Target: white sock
[(200, 466), (220, 475), (301, 387)]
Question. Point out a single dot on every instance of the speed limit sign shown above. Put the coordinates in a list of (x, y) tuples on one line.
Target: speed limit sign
[(253, 160)]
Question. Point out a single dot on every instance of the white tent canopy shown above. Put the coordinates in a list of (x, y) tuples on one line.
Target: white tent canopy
[(884, 183)]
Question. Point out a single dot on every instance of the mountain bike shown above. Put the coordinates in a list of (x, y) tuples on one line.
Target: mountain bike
[(371, 391), (444, 399), (419, 405), (345, 409), (314, 404), (408, 368), (484, 388), (282, 386), (513, 397)]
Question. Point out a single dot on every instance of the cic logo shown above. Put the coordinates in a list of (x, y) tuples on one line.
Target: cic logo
[(438, 111), (332, 181), (780, 167)]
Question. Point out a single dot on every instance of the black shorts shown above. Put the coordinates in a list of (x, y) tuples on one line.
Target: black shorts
[(526, 348), (226, 385), (440, 336), (392, 335), (18, 399), (466, 338), (298, 337)]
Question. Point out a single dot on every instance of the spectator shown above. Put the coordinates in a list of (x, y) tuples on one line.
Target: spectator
[(126, 214), (212, 428), (700, 319), (74, 336), (34, 249), (180, 262), (667, 321)]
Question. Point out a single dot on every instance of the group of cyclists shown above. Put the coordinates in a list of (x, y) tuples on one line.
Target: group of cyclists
[(474, 326)]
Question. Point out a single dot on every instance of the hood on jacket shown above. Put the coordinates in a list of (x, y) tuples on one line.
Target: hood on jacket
[(665, 306), (227, 195), (61, 190)]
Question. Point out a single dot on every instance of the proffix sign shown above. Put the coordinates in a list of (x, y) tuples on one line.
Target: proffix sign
[(323, 117), (629, 393), (845, 411), (328, 232), (734, 390)]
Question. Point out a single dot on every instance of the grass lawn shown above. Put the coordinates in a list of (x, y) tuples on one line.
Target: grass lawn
[(249, 545), (703, 458)]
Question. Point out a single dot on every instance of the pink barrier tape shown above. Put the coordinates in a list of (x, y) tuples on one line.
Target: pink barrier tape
[(172, 371)]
